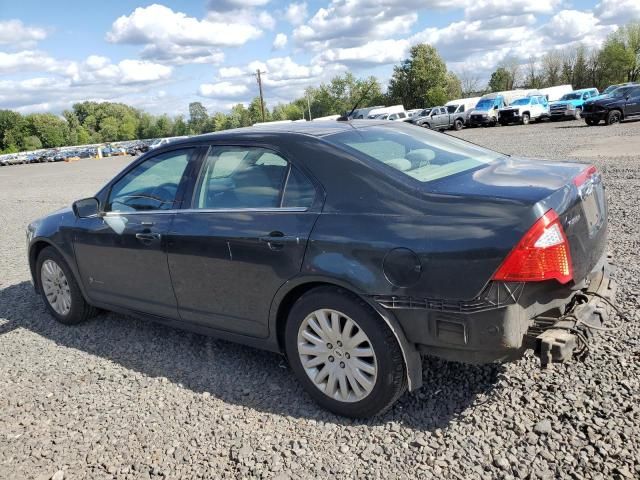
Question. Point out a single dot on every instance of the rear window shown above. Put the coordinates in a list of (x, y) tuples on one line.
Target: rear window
[(414, 151)]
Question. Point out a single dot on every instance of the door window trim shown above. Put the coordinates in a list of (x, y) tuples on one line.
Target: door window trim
[(189, 206), (182, 185)]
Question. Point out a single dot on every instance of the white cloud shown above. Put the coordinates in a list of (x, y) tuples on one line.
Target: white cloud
[(280, 41), (350, 23), (296, 13), (181, 54), (617, 11), (486, 9), (571, 25), (376, 52), (161, 30), (29, 60), (17, 34), (231, 72), (223, 5), (223, 90)]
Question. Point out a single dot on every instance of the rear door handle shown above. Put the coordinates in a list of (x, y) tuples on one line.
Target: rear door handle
[(148, 238), (276, 240)]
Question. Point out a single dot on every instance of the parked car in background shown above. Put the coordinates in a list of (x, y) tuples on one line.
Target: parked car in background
[(394, 112), (571, 104), (462, 105), (622, 104), (163, 141), (439, 118), (362, 113), (420, 115), (486, 113), (523, 110)]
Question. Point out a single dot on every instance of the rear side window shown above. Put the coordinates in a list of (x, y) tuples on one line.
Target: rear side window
[(250, 178)]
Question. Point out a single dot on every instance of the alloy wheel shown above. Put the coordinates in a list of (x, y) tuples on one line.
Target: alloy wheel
[(337, 355), (55, 287)]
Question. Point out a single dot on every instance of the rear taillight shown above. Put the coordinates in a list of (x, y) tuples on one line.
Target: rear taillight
[(542, 254), (584, 176)]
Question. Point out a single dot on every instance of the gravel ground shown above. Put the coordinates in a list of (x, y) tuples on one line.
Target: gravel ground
[(121, 398)]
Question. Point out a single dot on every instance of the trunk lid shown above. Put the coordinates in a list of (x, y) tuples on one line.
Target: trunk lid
[(542, 185)]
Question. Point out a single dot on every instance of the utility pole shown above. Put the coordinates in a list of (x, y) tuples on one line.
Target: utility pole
[(309, 106), (258, 72)]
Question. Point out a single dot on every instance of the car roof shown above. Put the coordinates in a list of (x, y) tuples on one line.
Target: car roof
[(314, 129)]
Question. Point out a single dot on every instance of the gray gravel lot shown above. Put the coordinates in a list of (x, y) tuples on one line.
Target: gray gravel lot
[(122, 398)]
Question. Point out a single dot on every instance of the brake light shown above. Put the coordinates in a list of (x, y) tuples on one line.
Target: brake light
[(542, 254), (584, 175)]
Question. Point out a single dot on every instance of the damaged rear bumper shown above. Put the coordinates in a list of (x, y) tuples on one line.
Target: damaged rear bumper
[(562, 338), (507, 319)]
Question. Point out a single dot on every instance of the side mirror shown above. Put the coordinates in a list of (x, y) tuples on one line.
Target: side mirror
[(495, 107), (86, 208)]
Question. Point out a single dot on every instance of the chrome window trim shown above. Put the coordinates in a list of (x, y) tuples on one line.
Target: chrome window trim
[(208, 210)]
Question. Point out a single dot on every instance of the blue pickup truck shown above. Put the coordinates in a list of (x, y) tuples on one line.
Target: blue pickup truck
[(571, 104)]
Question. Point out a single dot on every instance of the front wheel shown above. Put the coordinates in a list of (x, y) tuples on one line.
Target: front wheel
[(525, 119), (59, 290), (457, 125), (578, 114), (344, 354), (614, 117)]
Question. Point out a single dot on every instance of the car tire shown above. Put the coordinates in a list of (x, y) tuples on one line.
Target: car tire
[(59, 290), (614, 117), (353, 385), (578, 114), (525, 119), (457, 125)]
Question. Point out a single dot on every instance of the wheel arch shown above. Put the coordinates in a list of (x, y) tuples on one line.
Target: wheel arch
[(34, 252), (289, 293)]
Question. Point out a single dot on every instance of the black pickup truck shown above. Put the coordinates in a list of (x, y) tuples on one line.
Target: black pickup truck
[(621, 104)]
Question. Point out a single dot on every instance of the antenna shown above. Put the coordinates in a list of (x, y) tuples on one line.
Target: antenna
[(362, 97)]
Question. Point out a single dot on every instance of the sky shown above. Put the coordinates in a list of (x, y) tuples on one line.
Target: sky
[(161, 56)]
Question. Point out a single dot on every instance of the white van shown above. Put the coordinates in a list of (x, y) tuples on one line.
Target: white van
[(395, 112)]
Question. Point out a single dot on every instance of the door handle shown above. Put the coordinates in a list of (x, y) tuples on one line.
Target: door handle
[(148, 238), (276, 240)]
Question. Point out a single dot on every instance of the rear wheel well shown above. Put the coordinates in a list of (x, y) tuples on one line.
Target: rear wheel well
[(290, 299)]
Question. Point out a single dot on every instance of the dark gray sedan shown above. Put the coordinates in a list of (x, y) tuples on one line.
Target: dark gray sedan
[(351, 247)]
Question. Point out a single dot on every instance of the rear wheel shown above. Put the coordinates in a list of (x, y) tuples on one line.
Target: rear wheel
[(59, 290), (525, 119), (615, 116), (344, 354)]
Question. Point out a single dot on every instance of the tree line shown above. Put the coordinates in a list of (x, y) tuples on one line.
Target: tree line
[(421, 80)]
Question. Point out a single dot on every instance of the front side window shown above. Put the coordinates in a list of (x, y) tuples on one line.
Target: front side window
[(152, 185), (250, 178), (416, 152)]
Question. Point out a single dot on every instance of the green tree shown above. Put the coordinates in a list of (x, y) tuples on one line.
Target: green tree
[(49, 128), (180, 127), (421, 80), (31, 143), (500, 80), (10, 128), (198, 117), (454, 86)]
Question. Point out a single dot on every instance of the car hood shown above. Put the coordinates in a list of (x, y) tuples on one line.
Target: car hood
[(566, 102), (511, 179)]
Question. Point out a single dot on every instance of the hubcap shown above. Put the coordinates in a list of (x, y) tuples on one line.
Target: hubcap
[(337, 355), (55, 287)]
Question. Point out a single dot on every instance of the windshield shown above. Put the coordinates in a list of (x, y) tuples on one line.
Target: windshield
[(416, 152), (452, 108), (572, 96), (521, 101), (610, 88), (485, 104)]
